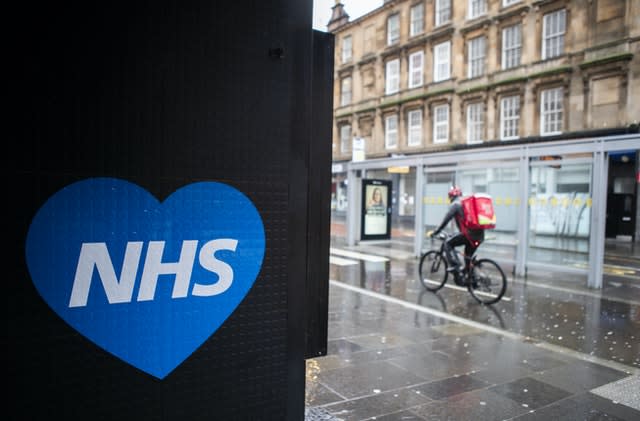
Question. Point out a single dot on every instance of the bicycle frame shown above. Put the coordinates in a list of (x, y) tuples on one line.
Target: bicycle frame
[(484, 278), (468, 260)]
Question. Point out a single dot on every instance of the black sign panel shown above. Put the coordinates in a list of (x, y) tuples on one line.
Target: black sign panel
[(160, 193)]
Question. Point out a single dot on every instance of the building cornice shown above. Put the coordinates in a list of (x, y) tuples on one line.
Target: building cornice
[(448, 30), (393, 50), (606, 60), (541, 3), (551, 72), (346, 70), (622, 41), (366, 59), (414, 42), (509, 13), (483, 23)]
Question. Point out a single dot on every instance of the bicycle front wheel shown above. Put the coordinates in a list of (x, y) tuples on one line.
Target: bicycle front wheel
[(432, 270), (487, 283)]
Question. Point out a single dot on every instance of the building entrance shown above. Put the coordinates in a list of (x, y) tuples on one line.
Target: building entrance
[(621, 196)]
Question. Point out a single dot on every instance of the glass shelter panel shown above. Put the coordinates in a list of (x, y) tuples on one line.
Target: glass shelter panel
[(435, 201), (502, 183), (500, 180), (559, 208)]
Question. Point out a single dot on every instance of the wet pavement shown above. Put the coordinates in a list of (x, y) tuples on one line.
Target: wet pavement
[(550, 349)]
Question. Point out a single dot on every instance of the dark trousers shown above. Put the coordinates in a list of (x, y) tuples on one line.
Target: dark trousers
[(454, 241)]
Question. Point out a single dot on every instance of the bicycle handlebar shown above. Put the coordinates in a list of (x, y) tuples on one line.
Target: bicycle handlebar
[(442, 235)]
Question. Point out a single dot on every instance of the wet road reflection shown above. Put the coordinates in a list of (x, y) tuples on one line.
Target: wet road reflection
[(582, 321)]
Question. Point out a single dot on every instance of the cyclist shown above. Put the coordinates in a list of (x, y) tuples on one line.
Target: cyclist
[(470, 238)]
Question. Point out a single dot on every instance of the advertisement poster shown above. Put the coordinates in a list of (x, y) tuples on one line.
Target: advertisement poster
[(376, 212)]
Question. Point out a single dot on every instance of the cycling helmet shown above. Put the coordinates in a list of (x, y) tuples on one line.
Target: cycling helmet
[(454, 192)]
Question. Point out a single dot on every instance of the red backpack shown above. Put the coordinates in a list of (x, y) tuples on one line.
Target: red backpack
[(478, 212)]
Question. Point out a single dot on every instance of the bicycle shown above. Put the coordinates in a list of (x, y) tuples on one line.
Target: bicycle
[(484, 279)]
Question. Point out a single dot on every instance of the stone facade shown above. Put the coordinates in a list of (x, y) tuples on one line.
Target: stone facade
[(578, 65)]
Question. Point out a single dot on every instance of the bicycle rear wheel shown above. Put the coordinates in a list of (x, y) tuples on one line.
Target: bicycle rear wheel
[(433, 270), (487, 281)]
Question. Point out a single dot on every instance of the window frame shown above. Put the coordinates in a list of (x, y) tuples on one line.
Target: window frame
[(345, 141), (346, 96), (476, 8), (414, 131), (553, 37), (476, 64), (393, 29), (507, 120), (558, 92), (441, 123), (347, 48), (437, 76), (391, 134), (440, 10), (416, 26), (508, 50), (416, 70), (475, 125), (392, 82)]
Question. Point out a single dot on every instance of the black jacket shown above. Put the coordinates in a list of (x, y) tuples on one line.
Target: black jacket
[(454, 210), (457, 212)]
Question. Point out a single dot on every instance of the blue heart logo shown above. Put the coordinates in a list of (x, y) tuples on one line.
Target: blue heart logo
[(148, 282)]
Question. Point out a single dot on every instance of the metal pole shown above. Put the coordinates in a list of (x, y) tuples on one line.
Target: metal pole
[(353, 206), (419, 218), (523, 214), (598, 220)]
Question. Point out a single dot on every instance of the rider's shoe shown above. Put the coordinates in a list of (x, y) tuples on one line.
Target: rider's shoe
[(458, 276), (454, 269)]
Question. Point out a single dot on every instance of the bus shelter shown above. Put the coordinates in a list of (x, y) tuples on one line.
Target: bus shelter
[(550, 198)]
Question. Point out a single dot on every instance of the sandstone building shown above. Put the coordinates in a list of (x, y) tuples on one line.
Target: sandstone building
[(415, 80)]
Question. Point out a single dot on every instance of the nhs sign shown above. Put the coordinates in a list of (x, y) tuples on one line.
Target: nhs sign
[(147, 281)]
